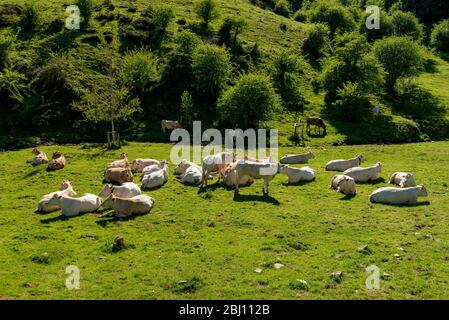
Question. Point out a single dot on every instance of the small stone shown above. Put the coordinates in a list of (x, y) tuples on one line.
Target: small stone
[(182, 281), (339, 255), (337, 276), (401, 249), (300, 284), (364, 249), (417, 233), (278, 266), (428, 236), (386, 276), (397, 256), (258, 270)]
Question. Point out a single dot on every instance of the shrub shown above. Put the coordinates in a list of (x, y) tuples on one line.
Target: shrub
[(230, 30), (211, 68), (6, 41), (207, 11), (386, 28), (29, 19), (332, 13), (86, 10), (406, 24), (352, 104), (251, 100), (399, 56), (140, 70), (300, 16), (440, 36), (316, 42), (282, 8)]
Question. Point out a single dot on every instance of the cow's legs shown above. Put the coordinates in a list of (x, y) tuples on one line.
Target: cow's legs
[(237, 182)]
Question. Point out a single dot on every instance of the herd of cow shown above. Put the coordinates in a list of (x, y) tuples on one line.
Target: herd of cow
[(125, 198)]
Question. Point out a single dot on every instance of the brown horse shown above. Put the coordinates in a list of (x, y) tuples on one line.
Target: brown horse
[(317, 123)]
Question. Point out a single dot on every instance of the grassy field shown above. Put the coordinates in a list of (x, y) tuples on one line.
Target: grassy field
[(207, 245)]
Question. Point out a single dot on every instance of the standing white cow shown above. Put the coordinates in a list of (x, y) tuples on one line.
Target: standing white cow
[(216, 163), (74, 206), (361, 175), (403, 179), (398, 196), (169, 125), (257, 170), (342, 165), (296, 175)]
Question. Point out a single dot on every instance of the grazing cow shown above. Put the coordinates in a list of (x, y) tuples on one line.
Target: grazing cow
[(124, 208), (403, 179), (184, 165), (342, 165), (216, 163), (122, 163), (153, 168), (74, 206), (66, 189), (266, 171), (155, 179), (317, 123), (193, 175), (126, 190), (343, 184), (58, 162), (118, 175), (169, 125), (297, 158), (296, 175), (364, 174), (230, 175), (39, 158), (398, 196), (138, 165)]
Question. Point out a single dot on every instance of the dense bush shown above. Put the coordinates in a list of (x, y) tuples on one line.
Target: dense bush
[(282, 8), (316, 43), (440, 36), (207, 11), (406, 24), (230, 30), (140, 70), (332, 13), (211, 68), (86, 10), (352, 104), (386, 28), (251, 100), (400, 56), (29, 19)]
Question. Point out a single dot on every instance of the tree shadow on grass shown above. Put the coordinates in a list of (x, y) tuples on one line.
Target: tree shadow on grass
[(253, 198)]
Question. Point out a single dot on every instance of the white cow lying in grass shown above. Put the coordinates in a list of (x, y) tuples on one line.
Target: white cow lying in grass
[(126, 190), (39, 158), (122, 163), (342, 165), (296, 175), (138, 165), (398, 196), (297, 158), (193, 175), (343, 184), (256, 170), (124, 208), (361, 175), (118, 175), (216, 163), (403, 179), (153, 168), (184, 165), (71, 207), (66, 189), (155, 179)]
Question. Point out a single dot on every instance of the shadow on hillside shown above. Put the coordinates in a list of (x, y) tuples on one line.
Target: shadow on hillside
[(254, 198)]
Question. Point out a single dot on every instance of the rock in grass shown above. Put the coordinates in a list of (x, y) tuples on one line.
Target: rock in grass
[(278, 266), (386, 276), (299, 284), (364, 249), (258, 270), (428, 236), (44, 258), (337, 276)]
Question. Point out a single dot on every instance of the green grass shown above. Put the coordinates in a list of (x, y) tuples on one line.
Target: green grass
[(215, 242)]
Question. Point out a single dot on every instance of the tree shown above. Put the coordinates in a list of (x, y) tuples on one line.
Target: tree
[(207, 11), (282, 8), (332, 13), (230, 30), (86, 9), (316, 42), (29, 19), (406, 24), (251, 100), (440, 36), (400, 56), (211, 69), (352, 104), (140, 70), (352, 63)]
